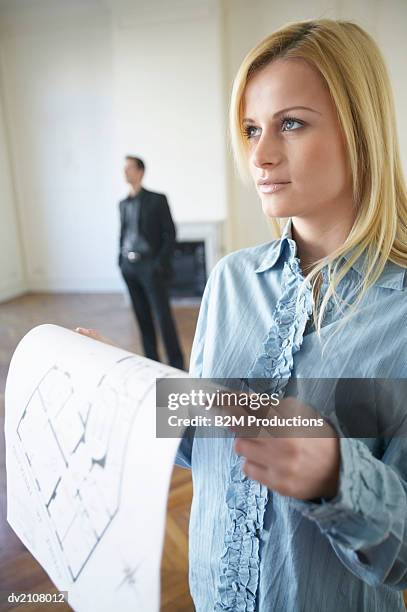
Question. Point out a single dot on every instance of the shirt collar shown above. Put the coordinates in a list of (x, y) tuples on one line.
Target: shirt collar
[(138, 195), (392, 276), (276, 248)]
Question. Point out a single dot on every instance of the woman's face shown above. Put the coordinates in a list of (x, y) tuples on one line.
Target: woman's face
[(297, 154)]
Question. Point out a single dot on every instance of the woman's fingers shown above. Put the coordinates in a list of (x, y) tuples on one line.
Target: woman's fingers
[(92, 333), (256, 450), (257, 472)]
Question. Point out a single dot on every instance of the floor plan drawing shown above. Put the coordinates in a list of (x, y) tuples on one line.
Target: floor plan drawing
[(79, 440)]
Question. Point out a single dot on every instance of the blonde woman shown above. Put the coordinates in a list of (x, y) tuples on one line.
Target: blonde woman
[(307, 524), (291, 524)]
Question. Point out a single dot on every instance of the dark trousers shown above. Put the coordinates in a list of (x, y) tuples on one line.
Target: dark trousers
[(149, 295)]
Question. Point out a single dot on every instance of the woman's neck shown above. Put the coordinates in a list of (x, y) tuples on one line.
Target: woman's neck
[(318, 240)]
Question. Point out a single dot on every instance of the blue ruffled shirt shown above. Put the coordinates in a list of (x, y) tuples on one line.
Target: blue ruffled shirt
[(251, 548)]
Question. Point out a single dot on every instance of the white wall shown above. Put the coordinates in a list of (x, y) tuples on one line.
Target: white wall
[(246, 23), (12, 282), (88, 83), (168, 92), (62, 127), (58, 79)]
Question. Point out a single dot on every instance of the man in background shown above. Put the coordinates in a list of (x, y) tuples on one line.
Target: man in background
[(147, 240)]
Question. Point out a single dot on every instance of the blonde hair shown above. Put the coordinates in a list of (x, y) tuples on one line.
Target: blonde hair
[(353, 68)]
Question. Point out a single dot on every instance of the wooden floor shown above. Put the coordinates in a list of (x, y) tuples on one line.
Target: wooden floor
[(111, 315)]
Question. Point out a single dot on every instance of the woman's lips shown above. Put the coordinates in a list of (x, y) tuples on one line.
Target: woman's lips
[(271, 187)]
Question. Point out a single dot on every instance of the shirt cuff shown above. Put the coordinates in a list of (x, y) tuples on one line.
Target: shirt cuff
[(357, 517)]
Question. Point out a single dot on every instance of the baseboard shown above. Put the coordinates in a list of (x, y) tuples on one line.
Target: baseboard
[(68, 285), (12, 290)]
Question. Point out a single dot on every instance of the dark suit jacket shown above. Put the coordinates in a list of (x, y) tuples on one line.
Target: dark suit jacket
[(155, 224)]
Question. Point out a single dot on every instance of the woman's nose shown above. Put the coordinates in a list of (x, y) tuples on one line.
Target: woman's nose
[(266, 151)]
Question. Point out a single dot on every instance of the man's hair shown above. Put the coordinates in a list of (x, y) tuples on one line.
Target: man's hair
[(137, 161)]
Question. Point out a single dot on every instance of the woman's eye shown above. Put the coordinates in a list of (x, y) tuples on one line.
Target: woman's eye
[(289, 124), (250, 131)]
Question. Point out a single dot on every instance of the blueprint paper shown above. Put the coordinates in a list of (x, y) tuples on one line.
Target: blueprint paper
[(87, 479)]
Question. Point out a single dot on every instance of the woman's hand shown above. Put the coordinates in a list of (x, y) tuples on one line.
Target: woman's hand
[(300, 467), (92, 333), (305, 468)]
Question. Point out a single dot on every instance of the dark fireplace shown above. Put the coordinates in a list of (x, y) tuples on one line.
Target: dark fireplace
[(189, 268)]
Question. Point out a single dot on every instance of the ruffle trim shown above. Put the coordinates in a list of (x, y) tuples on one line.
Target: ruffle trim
[(247, 499), (272, 369)]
